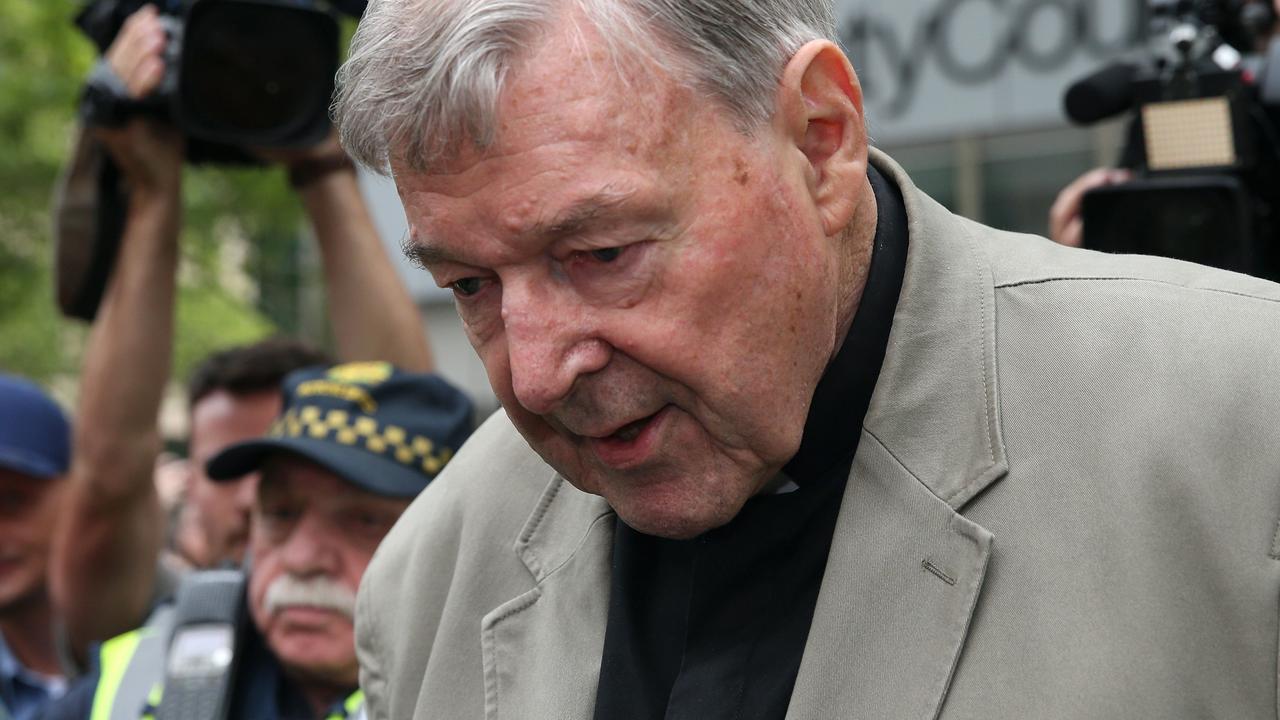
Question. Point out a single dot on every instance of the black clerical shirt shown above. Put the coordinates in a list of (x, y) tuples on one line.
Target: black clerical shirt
[(714, 627)]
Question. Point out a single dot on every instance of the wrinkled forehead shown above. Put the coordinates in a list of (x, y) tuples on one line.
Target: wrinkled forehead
[(561, 153), (571, 86), (287, 475)]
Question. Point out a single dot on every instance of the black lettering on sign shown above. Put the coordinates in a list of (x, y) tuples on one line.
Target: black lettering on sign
[(1065, 15), (947, 44), (1041, 36), (871, 34)]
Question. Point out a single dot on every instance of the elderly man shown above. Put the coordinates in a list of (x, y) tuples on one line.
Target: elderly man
[(353, 445), (782, 436)]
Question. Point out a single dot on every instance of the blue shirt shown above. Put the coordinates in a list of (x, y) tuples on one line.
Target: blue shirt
[(22, 691)]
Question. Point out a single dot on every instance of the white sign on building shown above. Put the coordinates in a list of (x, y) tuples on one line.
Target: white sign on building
[(936, 68)]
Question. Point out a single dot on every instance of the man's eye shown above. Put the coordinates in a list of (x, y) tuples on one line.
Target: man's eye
[(372, 522), (607, 255), (467, 287), (277, 518), (279, 513)]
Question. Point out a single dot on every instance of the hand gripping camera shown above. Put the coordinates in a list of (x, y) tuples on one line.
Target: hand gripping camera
[(239, 74)]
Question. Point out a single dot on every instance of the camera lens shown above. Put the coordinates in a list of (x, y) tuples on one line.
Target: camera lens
[(261, 74)]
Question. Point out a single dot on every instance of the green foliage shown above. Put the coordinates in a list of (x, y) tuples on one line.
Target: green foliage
[(209, 320), (43, 61)]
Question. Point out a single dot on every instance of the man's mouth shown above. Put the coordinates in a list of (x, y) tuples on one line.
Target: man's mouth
[(631, 431), (631, 444), (312, 611)]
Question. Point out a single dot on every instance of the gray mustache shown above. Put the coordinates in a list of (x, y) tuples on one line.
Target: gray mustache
[(318, 592)]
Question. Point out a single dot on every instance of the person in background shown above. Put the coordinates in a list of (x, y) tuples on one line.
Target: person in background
[(104, 575), (352, 446), (35, 451), (232, 395)]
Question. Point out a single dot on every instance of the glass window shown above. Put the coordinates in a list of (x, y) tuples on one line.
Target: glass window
[(1023, 173), (932, 168)]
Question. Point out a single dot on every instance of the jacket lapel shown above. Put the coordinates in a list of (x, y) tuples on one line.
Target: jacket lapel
[(901, 584), (906, 569), (542, 649)]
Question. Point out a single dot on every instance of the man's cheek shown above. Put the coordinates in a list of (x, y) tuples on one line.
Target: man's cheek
[(482, 317), (492, 352)]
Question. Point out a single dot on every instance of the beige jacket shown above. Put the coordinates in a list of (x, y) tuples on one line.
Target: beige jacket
[(1064, 505)]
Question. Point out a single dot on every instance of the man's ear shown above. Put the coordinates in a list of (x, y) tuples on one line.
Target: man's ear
[(820, 107)]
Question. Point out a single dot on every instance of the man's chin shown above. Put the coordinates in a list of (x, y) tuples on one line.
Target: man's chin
[(322, 658), (673, 518), (339, 673), (665, 498)]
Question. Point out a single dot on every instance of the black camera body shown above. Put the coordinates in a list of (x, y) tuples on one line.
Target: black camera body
[(1202, 143), (239, 73)]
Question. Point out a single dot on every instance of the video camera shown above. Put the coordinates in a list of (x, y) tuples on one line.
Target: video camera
[(1203, 142), (239, 74)]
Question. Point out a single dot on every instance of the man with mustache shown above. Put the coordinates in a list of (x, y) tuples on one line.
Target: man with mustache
[(352, 446), (782, 437)]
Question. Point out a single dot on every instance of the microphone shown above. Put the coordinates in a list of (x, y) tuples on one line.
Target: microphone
[(1101, 95)]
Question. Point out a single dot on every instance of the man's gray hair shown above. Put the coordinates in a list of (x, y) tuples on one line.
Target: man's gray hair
[(425, 76)]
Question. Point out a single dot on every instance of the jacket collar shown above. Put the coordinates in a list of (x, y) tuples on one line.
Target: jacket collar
[(906, 569), (541, 650), (936, 406)]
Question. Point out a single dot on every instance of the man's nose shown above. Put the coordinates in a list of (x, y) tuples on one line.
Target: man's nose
[(308, 550), (245, 492), (551, 342)]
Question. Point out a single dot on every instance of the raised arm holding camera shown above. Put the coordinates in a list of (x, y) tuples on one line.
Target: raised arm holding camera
[(104, 573)]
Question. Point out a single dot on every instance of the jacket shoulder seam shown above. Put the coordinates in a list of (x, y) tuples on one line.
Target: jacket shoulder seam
[(1125, 278)]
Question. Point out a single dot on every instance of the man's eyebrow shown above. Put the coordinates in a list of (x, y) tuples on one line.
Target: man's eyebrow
[(422, 255), (581, 215), (573, 220)]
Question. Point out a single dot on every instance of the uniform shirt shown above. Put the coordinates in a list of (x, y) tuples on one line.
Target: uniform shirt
[(24, 692), (263, 692), (714, 627)]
